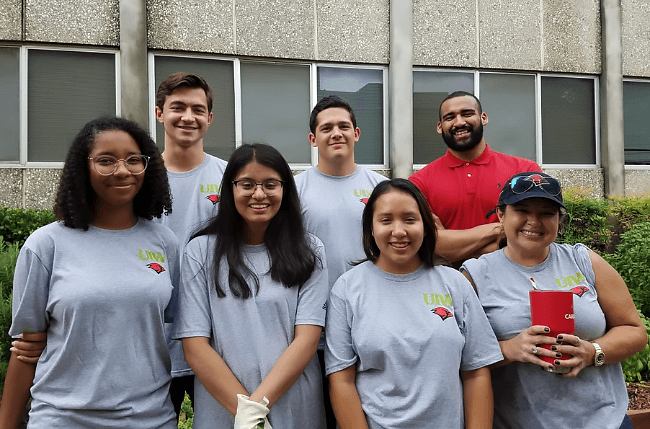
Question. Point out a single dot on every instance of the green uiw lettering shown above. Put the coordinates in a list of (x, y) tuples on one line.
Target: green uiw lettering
[(568, 281), (146, 255), (210, 188), (437, 299)]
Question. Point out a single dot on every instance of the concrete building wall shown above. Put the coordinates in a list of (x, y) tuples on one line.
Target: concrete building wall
[(636, 37)]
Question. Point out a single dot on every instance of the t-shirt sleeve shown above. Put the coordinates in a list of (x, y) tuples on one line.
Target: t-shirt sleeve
[(193, 318), (339, 350), (30, 294), (175, 277), (581, 255), (312, 297), (481, 345)]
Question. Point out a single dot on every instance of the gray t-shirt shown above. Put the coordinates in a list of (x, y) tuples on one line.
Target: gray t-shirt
[(195, 196), (103, 297), (526, 396), (251, 334), (409, 335)]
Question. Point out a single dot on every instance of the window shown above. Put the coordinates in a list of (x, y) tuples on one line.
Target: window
[(275, 108), (65, 90), (9, 93), (636, 99), (364, 90), (220, 138), (549, 119)]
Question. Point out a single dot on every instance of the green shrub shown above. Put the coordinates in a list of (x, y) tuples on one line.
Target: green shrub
[(586, 221), (636, 368), (187, 414), (8, 257), (17, 224)]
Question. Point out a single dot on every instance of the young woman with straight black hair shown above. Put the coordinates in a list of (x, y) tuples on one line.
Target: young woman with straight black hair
[(253, 300)]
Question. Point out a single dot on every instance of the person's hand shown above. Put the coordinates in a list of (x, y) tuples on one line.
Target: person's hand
[(526, 347), (251, 414), (582, 353), (437, 221), (29, 346)]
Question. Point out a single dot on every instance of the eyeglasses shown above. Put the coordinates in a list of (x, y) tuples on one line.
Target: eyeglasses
[(107, 164), (522, 184), (247, 187)]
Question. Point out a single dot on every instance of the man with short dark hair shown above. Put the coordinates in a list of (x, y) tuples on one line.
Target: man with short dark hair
[(184, 108), (334, 193), (463, 186)]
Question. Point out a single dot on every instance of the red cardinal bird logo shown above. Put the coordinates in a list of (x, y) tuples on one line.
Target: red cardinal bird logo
[(364, 200), (214, 198), (537, 179), (579, 290), (156, 267), (442, 312)]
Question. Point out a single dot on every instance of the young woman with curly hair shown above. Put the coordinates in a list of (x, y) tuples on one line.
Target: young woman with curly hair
[(252, 303), (99, 282)]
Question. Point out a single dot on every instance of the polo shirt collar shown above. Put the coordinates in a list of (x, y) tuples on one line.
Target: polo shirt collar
[(452, 162)]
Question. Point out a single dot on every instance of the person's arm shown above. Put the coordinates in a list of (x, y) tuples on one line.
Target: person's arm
[(18, 381), (291, 363), (29, 346), (457, 245), (345, 399), (478, 398), (213, 373), (625, 335)]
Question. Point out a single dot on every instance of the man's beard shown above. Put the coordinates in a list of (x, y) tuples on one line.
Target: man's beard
[(468, 143)]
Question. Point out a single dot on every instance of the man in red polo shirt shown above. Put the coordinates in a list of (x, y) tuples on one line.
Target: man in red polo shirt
[(463, 186)]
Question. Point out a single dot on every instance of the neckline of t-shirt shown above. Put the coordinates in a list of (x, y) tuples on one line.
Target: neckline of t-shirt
[(397, 277), (130, 230), (255, 248), (536, 268), (193, 171), (348, 176)]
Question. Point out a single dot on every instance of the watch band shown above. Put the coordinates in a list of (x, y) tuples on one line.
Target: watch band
[(599, 357)]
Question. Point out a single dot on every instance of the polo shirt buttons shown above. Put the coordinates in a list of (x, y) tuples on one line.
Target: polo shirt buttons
[(469, 174), (467, 164)]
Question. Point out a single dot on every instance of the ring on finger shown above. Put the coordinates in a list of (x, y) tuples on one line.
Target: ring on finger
[(534, 350), (578, 338)]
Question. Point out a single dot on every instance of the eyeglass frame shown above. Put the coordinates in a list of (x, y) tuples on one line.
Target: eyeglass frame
[(235, 182), (146, 159), (513, 183)]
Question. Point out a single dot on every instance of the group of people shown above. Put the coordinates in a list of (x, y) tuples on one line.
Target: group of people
[(265, 297)]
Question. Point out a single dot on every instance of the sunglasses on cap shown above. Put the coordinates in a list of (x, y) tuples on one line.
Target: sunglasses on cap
[(523, 184)]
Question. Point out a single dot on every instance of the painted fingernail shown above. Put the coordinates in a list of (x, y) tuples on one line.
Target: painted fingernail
[(558, 355), (549, 369), (557, 362), (547, 330), (560, 337), (553, 348)]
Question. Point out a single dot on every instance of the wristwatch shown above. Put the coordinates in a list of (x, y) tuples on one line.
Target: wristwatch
[(599, 357)]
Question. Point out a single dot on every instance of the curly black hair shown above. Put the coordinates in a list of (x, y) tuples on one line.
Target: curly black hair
[(75, 199)]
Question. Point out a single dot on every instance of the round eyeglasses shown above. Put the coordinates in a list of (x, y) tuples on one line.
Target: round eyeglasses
[(247, 187), (107, 164), (522, 184)]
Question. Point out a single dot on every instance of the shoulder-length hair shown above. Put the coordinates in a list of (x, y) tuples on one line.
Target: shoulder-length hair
[(292, 258), (426, 252), (75, 199)]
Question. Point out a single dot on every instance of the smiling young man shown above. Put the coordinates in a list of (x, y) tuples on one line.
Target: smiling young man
[(463, 186), (334, 193), (184, 108)]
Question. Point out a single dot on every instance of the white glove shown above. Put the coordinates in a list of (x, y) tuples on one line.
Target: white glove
[(251, 414)]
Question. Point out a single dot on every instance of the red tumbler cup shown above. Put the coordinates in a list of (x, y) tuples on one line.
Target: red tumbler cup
[(553, 308)]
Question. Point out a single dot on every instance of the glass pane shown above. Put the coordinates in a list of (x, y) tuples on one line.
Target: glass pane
[(636, 99), (275, 108), (509, 101), (429, 89), (220, 138), (568, 121), (9, 93), (364, 90), (65, 91)]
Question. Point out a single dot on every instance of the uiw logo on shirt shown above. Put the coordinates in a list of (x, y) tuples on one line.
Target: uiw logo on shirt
[(362, 194), (213, 190), (148, 255)]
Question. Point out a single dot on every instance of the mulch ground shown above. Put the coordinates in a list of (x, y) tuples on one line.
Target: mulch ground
[(639, 394)]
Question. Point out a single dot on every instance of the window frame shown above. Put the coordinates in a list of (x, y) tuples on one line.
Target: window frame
[(538, 108), (23, 74), (313, 85), (632, 167)]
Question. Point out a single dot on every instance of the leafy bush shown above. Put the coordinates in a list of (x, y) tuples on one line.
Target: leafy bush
[(187, 414), (586, 221), (8, 257), (636, 368), (17, 224)]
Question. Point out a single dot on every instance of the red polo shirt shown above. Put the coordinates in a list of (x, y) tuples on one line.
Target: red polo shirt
[(461, 192)]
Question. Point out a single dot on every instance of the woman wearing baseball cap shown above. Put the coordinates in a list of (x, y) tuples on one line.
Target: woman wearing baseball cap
[(529, 392)]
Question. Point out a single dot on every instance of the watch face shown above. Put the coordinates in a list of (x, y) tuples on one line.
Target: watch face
[(600, 358)]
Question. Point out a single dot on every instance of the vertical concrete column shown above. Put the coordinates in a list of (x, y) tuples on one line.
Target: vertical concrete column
[(133, 61), (611, 99), (400, 88)]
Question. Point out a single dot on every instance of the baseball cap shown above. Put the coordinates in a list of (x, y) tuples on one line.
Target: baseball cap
[(526, 185)]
